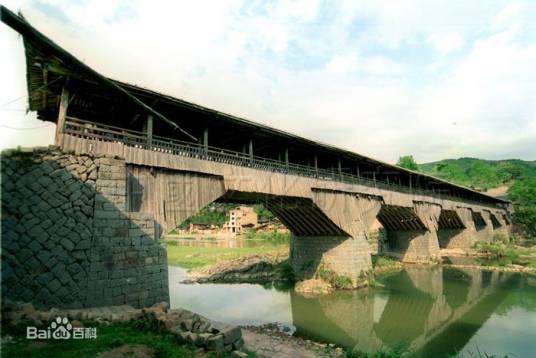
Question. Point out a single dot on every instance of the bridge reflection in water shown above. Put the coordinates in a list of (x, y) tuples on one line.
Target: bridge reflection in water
[(433, 311)]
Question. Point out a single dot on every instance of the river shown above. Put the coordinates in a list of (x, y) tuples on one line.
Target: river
[(436, 311)]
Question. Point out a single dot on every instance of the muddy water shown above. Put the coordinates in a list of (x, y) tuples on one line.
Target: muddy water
[(436, 312)]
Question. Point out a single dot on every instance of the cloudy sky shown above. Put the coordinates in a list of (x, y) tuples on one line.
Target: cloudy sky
[(436, 79)]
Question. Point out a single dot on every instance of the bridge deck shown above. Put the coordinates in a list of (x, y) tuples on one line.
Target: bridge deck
[(161, 145)]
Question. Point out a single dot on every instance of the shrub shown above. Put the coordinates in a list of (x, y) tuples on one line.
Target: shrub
[(501, 237), (496, 250), (334, 279), (287, 273)]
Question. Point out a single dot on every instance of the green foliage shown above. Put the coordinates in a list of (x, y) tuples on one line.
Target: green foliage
[(271, 237), (385, 263), (218, 214), (479, 173), (213, 214), (483, 175), (498, 252), (263, 214), (519, 175), (334, 279), (108, 337), (286, 271), (523, 195), (400, 350), (407, 162)]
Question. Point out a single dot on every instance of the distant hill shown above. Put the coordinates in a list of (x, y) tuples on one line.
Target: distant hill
[(512, 179), (481, 174)]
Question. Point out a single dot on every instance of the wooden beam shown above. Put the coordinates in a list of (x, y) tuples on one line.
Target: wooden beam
[(205, 139), (149, 130), (286, 156), (62, 112), (45, 89), (250, 149)]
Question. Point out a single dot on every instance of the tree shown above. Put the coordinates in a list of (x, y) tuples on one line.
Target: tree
[(523, 196), (408, 162), (483, 175)]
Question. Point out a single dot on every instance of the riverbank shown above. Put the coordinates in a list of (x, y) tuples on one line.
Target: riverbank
[(195, 254), (122, 331), (257, 268), (493, 256), (267, 341)]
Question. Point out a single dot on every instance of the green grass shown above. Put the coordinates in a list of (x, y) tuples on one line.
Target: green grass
[(192, 257), (385, 263), (505, 253), (108, 337)]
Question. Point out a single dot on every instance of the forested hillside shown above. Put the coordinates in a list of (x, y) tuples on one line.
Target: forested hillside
[(480, 174), (518, 176)]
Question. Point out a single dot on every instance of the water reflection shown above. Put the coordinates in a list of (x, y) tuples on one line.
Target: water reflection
[(232, 303), (436, 311)]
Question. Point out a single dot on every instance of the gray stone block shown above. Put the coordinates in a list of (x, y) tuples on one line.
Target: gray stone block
[(215, 343), (67, 244), (54, 285)]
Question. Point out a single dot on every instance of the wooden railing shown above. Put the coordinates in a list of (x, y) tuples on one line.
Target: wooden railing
[(107, 133)]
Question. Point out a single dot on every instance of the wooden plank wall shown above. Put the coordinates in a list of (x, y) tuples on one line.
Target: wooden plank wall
[(171, 196)]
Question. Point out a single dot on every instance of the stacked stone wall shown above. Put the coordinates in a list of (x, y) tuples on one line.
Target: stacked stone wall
[(345, 255), (66, 238)]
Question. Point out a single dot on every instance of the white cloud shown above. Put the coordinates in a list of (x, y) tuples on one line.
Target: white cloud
[(357, 79), (343, 63), (446, 42), (374, 65)]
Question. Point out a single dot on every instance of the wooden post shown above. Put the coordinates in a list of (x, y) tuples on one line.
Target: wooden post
[(410, 185), (316, 163), (358, 175), (62, 113), (286, 156), (44, 91), (339, 167), (374, 176), (205, 139), (150, 130), (251, 150)]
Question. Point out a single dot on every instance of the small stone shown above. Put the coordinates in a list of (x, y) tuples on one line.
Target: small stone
[(163, 306), (239, 354), (203, 326), (183, 336), (215, 343), (67, 244), (186, 325), (203, 338), (238, 344)]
